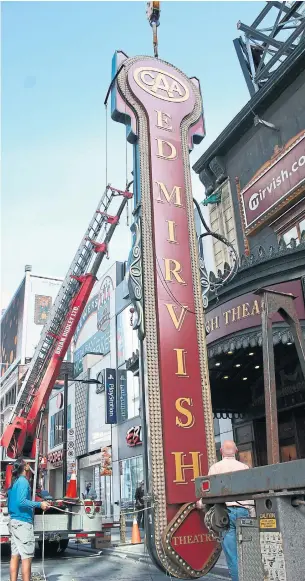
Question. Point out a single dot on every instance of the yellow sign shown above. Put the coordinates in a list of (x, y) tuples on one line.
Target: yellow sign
[(267, 523), (161, 84)]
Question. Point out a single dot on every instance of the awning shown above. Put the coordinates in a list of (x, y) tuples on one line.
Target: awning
[(245, 339)]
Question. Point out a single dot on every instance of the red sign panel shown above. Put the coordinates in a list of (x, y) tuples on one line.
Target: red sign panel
[(168, 98), (245, 312), (275, 184), (163, 112)]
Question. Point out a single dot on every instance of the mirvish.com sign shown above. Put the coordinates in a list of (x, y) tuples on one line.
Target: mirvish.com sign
[(275, 184)]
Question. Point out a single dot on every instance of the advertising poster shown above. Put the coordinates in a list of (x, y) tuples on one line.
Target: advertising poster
[(94, 329), (106, 461), (42, 307)]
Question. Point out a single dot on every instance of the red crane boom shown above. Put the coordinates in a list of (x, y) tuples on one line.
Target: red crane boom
[(19, 437)]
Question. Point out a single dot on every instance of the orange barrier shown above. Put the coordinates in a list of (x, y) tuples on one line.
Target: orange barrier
[(72, 487), (135, 536)]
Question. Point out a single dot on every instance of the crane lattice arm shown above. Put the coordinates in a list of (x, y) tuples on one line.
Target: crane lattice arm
[(19, 437)]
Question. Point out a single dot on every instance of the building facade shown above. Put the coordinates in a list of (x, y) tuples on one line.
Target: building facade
[(21, 325), (254, 177)]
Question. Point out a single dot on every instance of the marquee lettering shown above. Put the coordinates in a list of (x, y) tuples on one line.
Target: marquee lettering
[(178, 322), (163, 146), (181, 467), (181, 366), (173, 267), (212, 324), (175, 193), (178, 369), (192, 539), (163, 121), (172, 232), (240, 312), (190, 419)]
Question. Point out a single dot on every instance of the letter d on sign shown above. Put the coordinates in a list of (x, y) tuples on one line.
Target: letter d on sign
[(166, 150)]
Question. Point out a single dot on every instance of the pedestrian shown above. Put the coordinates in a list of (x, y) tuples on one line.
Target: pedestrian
[(140, 504), (21, 512), (236, 510)]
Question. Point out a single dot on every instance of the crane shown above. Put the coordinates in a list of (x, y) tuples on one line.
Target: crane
[(21, 433)]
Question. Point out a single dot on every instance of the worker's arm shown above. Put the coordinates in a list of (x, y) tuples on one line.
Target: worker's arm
[(23, 493)]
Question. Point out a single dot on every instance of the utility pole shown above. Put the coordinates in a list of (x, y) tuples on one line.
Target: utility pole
[(65, 426)]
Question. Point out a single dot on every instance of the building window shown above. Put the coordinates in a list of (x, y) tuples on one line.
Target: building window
[(131, 476), (127, 338), (222, 222), (293, 235), (57, 429), (10, 396)]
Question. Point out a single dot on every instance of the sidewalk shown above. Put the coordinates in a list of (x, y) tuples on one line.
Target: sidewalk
[(139, 552)]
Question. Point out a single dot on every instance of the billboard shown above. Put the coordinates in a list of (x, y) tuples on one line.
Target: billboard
[(42, 292), (275, 184), (93, 332), (11, 330)]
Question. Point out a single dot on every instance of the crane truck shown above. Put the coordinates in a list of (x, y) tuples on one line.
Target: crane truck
[(67, 518)]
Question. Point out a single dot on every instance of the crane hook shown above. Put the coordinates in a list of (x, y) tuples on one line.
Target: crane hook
[(153, 17)]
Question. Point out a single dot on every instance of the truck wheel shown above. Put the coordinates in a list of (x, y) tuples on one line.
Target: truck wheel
[(63, 545), (51, 549)]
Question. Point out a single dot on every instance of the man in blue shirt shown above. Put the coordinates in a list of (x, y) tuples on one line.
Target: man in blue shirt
[(21, 511)]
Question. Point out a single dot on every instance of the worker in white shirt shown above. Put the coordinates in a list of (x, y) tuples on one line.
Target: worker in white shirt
[(236, 510)]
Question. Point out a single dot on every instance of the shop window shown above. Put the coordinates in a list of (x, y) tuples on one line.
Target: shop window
[(223, 222), (131, 476), (57, 429), (133, 395), (128, 403)]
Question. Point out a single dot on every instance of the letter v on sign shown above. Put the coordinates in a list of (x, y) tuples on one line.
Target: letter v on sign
[(178, 321)]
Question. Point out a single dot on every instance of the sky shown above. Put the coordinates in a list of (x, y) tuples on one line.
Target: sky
[(56, 69)]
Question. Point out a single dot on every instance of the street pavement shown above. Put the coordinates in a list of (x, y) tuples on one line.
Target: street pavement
[(97, 568), (118, 563)]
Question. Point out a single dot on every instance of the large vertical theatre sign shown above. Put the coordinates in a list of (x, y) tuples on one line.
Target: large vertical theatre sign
[(162, 109)]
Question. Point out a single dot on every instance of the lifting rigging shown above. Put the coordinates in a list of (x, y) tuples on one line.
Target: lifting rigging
[(153, 17)]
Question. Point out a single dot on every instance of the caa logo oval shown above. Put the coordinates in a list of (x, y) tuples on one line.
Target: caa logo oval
[(161, 84)]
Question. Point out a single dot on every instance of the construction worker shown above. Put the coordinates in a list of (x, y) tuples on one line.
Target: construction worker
[(235, 509), (21, 511)]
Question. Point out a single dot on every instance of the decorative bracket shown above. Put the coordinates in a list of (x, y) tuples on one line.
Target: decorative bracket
[(135, 280)]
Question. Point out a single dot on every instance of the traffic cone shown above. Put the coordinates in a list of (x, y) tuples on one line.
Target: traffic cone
[(72, 487), (135, 535)]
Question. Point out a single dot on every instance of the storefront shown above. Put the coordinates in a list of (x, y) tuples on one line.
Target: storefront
[(236, 373), (129, 428), (92, 481), (94, 348), (130, 460)]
